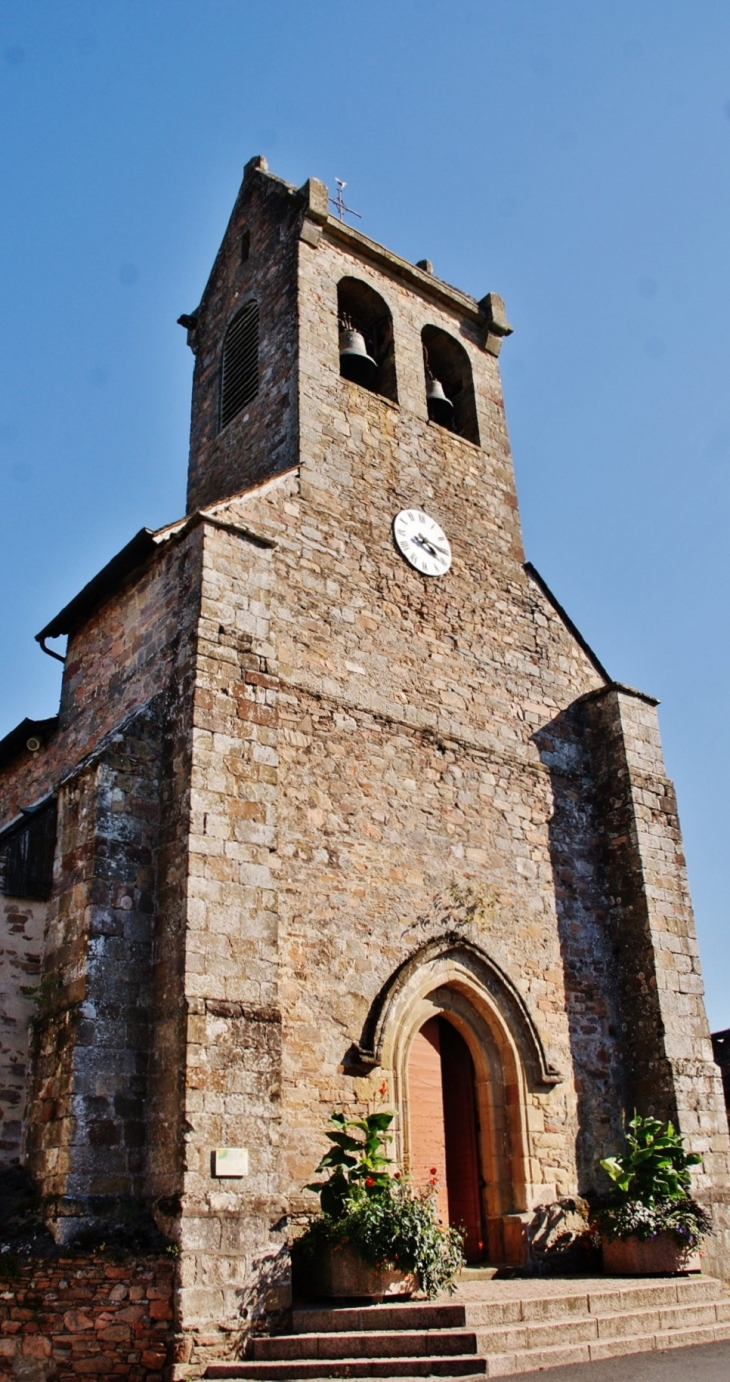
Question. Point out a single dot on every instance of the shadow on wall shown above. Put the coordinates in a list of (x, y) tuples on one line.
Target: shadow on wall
[(265, 1300), (587, 950)]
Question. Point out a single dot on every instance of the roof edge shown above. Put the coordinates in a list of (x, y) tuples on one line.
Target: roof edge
[(427, 283), (570, 626), (145, 544), (16, 740), (479, 312), (141, 546)]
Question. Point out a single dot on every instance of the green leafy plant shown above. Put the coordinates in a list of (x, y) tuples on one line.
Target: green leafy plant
[(652, 1179), (356, 1162), (395, 1228), (369, 1206), (686, 1220), (655, 1165)]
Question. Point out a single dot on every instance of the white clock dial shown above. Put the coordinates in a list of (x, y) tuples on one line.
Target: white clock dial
[(423, 544)]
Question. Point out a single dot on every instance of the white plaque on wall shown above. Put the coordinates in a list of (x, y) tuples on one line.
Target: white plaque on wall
[(230, 1161)]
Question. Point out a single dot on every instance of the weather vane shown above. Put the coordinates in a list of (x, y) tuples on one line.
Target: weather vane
[(339, 202)]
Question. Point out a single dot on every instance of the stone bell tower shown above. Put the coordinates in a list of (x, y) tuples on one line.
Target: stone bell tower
[(348, 804), (263, 261), (462, 817)]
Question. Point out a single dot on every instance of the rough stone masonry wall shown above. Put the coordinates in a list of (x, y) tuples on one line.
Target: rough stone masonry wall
[(364, 739), (88, 1129), (261, 440), (232, 1094), (449, 781), (354, 755), (21, 945), (164, 1113), (129, 649), (116, 758), (71, 1318), (671, 1070)]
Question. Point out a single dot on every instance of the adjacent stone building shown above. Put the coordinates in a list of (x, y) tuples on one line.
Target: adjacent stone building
[(721, 1051), (334, 802)]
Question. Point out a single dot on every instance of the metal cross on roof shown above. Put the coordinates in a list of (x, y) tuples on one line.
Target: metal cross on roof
[(339, 202)]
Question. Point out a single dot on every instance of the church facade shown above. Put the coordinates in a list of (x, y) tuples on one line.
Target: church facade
[(339, 809)]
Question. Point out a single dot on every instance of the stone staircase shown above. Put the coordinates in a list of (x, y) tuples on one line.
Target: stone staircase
[(493, 1329)]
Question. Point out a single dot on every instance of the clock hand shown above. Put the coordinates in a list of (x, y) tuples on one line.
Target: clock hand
[(432, 547)]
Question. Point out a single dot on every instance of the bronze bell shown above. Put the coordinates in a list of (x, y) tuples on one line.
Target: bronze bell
[(355, 363), (440, 408)]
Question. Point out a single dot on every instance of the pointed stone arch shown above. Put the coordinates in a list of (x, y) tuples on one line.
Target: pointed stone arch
[(454, 979)]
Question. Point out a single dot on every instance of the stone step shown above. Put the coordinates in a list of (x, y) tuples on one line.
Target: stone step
[(403, 1343), (604, 1297), (592, 1300), (561, 1355), (525, 1338), (580, 1329), (348, 1319), (684, 1338), (548, 1325), (634, 1295), (468, 1366), (653, 1320)]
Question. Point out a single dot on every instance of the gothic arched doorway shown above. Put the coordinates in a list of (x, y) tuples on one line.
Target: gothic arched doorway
[(444, 1139), (505, 1066)]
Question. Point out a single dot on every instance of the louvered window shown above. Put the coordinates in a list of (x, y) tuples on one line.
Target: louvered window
[(26, 856), (240, 378)]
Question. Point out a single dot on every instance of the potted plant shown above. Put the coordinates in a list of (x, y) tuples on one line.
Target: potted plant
[(376, 1236), (651, 1225)]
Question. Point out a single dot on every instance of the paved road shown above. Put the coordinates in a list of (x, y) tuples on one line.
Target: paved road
[(703, 1363)]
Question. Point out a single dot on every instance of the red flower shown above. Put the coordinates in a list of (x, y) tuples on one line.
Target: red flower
[(434, 1171), (396, 1175), (369, 1182), (383, 1090)]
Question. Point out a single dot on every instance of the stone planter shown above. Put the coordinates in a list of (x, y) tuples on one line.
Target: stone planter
[(660, 1256), (340, 1273)]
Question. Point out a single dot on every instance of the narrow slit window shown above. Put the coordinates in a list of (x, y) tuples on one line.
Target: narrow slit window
[(240, 373)]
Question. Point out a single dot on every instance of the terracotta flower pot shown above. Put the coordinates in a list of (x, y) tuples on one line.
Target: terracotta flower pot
[(660, 1256), (340, 1272)]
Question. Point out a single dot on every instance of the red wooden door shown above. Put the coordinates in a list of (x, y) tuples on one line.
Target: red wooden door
[(426, 1113), (443, 1132), (462, 1159)]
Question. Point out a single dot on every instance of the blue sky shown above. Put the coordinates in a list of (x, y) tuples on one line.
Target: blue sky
[(573, 157)]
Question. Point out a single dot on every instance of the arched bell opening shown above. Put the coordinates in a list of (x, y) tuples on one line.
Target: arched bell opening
[(367, 354), (449, 383)]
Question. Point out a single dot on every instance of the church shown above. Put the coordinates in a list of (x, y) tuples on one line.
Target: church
[(339, 809)]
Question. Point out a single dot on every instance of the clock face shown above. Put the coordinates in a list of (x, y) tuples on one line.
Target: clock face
[(423, 544)]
